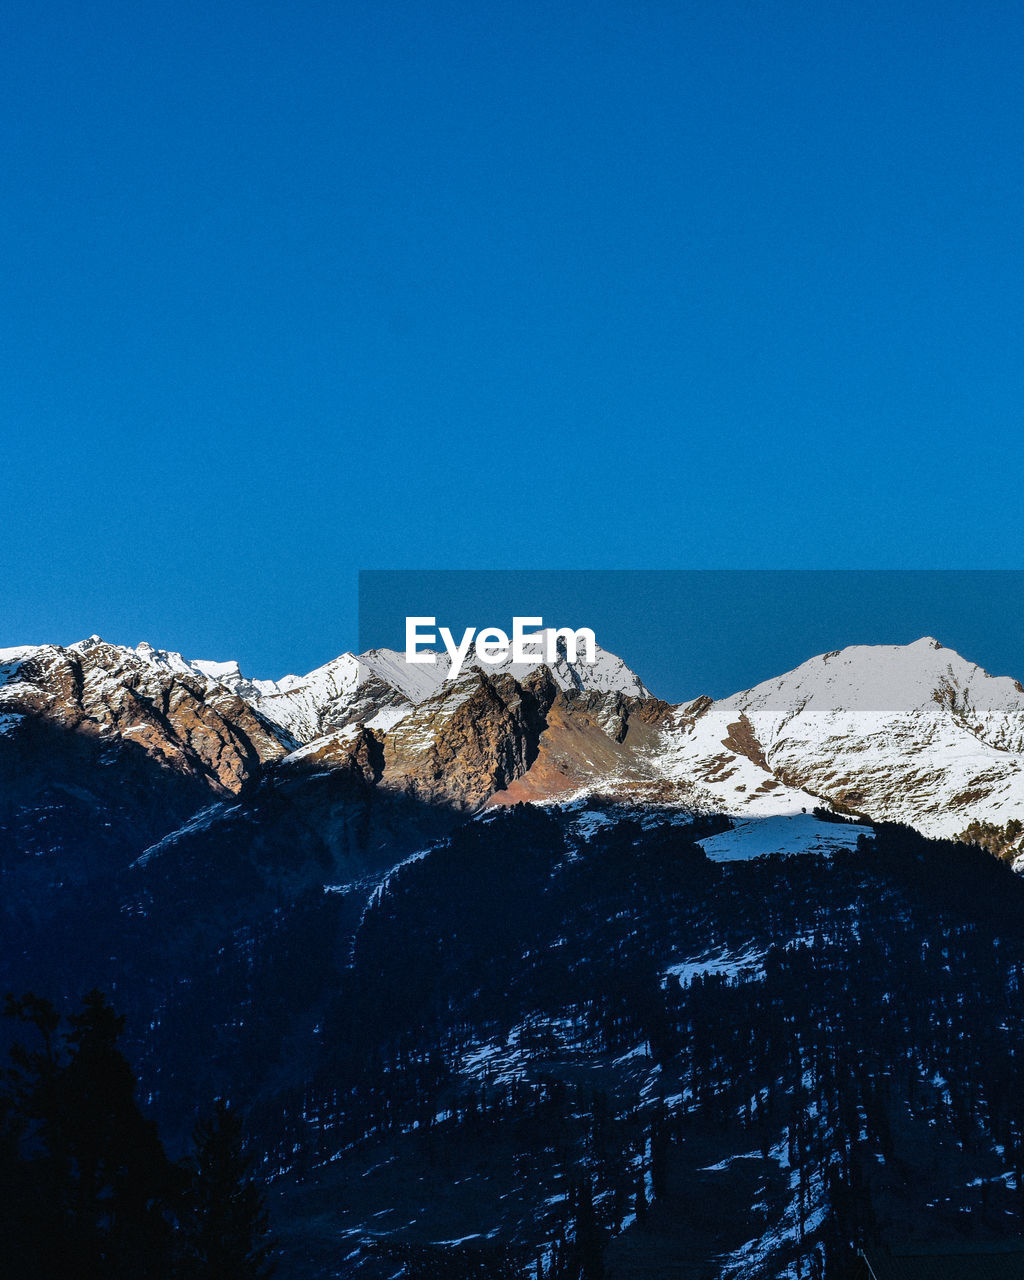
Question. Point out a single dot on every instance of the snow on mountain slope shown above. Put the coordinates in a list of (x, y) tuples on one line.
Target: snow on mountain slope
[(10, 665), (379, 688), (414, 681), (11, 660), (338, 693), (783, 833), (712, 771), (906, 733), (607, 674), (910, 733)]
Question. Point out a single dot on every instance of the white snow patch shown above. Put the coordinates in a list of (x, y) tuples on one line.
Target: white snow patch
[(747, 965), (781, 833), (9, 721), (200, 821)]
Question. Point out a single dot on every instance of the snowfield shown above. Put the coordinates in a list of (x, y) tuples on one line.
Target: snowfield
[(781, 834)]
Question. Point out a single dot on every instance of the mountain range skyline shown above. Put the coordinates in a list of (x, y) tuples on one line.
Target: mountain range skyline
[(913, 733), (699, 631)]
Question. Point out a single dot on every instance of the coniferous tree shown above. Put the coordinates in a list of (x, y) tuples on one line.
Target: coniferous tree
[(92, 1187), (226, 1218)]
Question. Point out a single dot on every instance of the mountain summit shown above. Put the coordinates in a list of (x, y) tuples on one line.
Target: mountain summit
[(904, 733), (908, 733)]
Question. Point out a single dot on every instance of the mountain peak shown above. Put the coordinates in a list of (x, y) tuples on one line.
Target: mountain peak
[(380, 686), (911, 733), (877, 678)]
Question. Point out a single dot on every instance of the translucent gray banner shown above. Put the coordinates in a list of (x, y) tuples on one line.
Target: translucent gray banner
[(693, 632)]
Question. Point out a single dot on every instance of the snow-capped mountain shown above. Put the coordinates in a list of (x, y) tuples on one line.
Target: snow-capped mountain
[(913, 733), (109, 695), (378, 688), (900, 733), (903, 733), (107, 750), (375, 689), (103, 749)]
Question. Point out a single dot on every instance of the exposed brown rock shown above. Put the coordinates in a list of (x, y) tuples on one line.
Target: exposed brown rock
[(475, 737), (742, 739), (188, 724), (107, 753), (587, 736)]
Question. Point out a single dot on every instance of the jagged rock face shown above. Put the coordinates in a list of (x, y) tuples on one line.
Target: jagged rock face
[(100, 749), (592, 742), (378, 688), (334, 804), (191, 725), (473, 738)]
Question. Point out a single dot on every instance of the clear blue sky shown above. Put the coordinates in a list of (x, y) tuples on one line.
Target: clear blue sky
[(295, 289)]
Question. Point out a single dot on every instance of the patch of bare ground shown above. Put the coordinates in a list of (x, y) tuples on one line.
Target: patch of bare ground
[(743, 740)]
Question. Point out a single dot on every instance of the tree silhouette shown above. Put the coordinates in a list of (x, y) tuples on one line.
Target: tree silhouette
[(226, 1216), (91, 1185)]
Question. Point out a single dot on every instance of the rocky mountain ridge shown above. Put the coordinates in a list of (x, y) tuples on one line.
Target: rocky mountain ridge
[(915, 734)]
